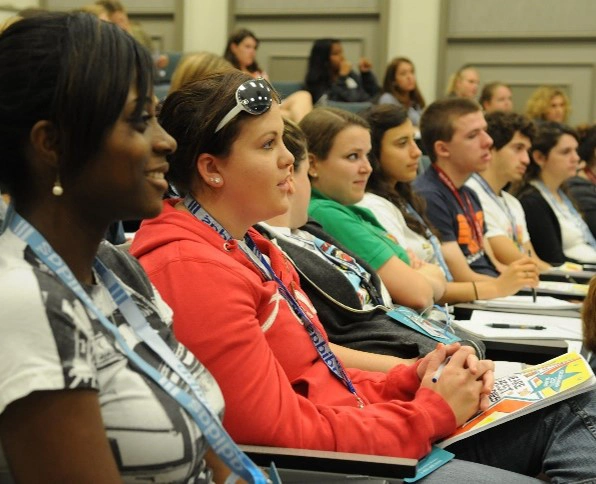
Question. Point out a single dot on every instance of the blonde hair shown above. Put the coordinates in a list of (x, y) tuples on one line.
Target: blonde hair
[(539, 102), (94, 9), (456, 76), (196, 65)]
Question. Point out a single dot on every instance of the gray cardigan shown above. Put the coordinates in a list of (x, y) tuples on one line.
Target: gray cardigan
[(340, 310)]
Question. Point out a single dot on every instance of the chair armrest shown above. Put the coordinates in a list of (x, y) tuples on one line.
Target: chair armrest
[(333, 462)]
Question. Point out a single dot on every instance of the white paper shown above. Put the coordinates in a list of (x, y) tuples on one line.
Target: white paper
[(556, 327), (526, 302), (566, 288)]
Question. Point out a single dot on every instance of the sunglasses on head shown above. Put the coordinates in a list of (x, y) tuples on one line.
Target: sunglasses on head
[(254, 97)]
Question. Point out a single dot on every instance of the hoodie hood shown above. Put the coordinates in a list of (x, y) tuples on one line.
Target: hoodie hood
[(171, 225), (184, 231)]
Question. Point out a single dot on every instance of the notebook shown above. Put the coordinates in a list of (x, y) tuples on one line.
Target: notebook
[(567, 328), (526, 302)]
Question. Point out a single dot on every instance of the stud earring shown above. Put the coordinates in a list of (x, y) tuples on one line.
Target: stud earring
[(215, 179), (57, 189), (314, 175)]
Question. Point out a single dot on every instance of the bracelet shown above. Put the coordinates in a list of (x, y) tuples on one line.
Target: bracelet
[(475, 290)]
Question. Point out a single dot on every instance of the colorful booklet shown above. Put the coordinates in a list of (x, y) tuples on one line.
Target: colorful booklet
[(529, 390)]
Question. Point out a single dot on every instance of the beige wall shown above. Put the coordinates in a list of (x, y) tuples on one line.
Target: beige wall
[(20, 4), (413, 31), (538, 42), (287, 31), (8, 9), (205, 24), (527, 42)]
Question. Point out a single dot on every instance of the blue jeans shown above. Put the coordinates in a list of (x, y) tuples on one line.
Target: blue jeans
[(460, 472), (559, 440)]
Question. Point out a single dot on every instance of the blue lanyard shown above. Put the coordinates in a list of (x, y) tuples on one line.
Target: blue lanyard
[(577, 219), (355, 273), (197, 407), (502, 204), (434, 242), (417, 322), (254, 255), (348, 263)]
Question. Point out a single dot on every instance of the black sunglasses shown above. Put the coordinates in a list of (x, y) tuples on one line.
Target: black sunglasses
[(254, 97)]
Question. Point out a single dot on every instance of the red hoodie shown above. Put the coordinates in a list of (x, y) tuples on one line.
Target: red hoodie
[(277, 389)]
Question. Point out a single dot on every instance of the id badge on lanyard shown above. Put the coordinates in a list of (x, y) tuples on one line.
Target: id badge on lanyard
[(194, 402), (415, 321), (434, 242), (253, 254)]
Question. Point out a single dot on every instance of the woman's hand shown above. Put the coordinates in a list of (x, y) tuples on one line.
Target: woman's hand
[(364, 65), (486, 369), (521, 273), (465, 381)]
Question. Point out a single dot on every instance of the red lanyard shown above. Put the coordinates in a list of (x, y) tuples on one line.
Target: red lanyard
[(467, 208), (590, 174)]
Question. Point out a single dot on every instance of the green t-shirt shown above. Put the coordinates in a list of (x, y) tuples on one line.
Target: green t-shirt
[(356, 228)]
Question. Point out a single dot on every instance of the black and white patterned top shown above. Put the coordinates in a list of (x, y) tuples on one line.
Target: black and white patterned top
[(49, 341)]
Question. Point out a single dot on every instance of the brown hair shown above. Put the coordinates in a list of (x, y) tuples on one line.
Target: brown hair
[(407, 99), (295, 142), (488, 91), (236, 38), (501, 127), (382, 118), (546, 137), (322, 125), (191, 115), (436, 123)]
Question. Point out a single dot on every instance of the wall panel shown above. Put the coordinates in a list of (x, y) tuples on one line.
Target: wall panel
[(287, 31), (553, 44), (161, 20)]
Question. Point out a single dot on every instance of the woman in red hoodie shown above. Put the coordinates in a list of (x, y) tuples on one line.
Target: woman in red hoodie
[(238, 301)]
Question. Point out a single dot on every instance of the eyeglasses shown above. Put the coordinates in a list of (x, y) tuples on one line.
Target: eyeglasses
[(254, 97)]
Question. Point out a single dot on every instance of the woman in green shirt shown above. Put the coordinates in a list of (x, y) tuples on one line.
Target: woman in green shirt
[(338, 143)]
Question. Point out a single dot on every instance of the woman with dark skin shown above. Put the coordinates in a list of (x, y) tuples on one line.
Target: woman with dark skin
[(83, 398), (330, 73)]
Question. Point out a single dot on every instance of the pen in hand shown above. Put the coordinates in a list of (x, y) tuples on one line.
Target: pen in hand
[(437, 374), (514, 326)]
